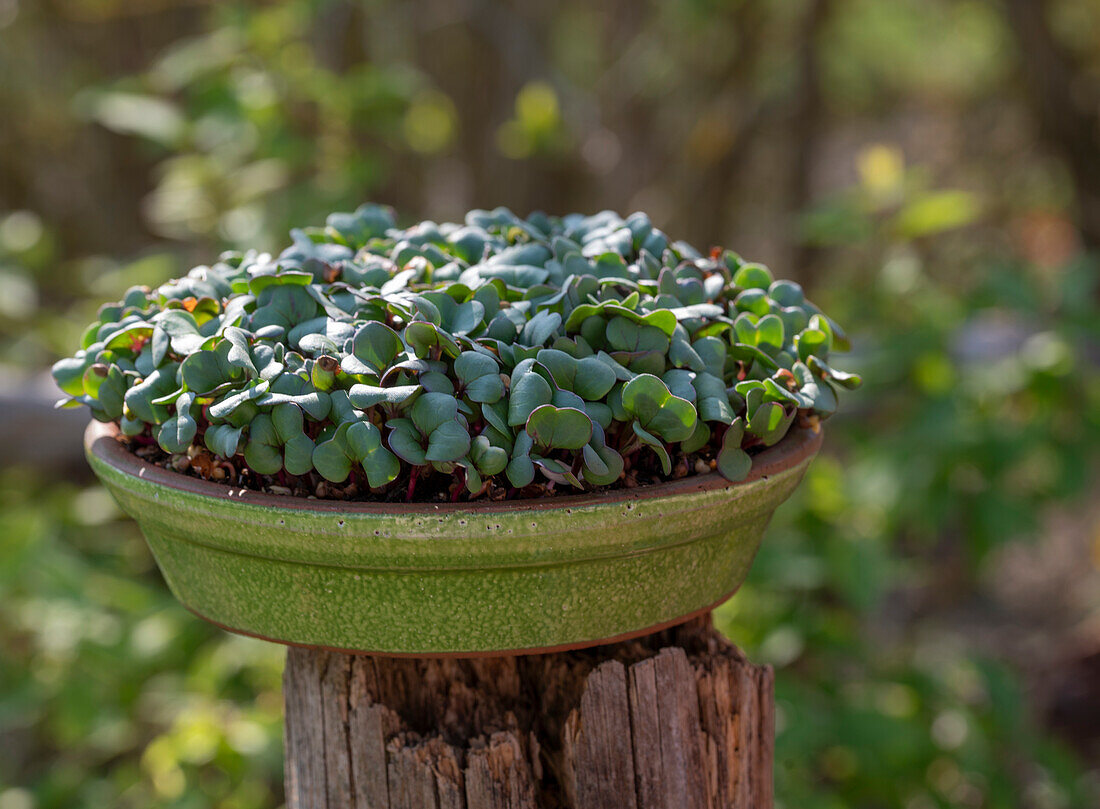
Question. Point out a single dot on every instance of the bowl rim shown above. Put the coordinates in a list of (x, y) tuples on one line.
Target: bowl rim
[(101, 441)]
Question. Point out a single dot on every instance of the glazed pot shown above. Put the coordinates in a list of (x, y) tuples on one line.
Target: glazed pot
[(451, 579)]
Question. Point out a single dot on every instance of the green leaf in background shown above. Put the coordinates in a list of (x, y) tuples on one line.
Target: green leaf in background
[(935, 212)]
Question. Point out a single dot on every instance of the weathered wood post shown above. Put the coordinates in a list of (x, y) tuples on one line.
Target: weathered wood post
[(674, 720)]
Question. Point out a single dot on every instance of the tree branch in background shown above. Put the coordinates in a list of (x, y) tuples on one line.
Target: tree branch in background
[(1070, 127), (806, 124)]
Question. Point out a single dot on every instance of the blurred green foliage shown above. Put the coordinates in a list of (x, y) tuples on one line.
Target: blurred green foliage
[(110, 693), (982, 413), (139, 140)]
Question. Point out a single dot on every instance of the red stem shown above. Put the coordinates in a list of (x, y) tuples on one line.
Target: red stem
[(461, 485)]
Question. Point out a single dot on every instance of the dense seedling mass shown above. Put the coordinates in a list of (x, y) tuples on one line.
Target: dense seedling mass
[(572, 352)]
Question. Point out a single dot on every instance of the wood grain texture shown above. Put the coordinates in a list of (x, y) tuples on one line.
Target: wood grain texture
[(411, 780), (498, 775), (304, 731), (598, 754), (669, 744), (676, 720), (334, 715), (370, 724), (764, 748)]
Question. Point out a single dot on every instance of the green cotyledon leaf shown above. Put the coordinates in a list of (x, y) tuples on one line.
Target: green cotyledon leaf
[(559, 427), (479, 377), (733, 462), (657, 410)]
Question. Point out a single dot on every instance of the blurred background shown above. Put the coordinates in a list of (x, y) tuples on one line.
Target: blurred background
[(928, 169)]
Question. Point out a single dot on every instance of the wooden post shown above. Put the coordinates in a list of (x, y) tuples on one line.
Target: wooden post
[(676, 720)]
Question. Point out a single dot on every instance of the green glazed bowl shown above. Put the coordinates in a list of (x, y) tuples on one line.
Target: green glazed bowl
[(461, 579)]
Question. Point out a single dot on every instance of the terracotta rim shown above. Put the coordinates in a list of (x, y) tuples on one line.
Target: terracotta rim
[(529, 650), (100, 439)]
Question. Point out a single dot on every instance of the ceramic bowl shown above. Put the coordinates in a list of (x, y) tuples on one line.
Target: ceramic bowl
[(462, 579)]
